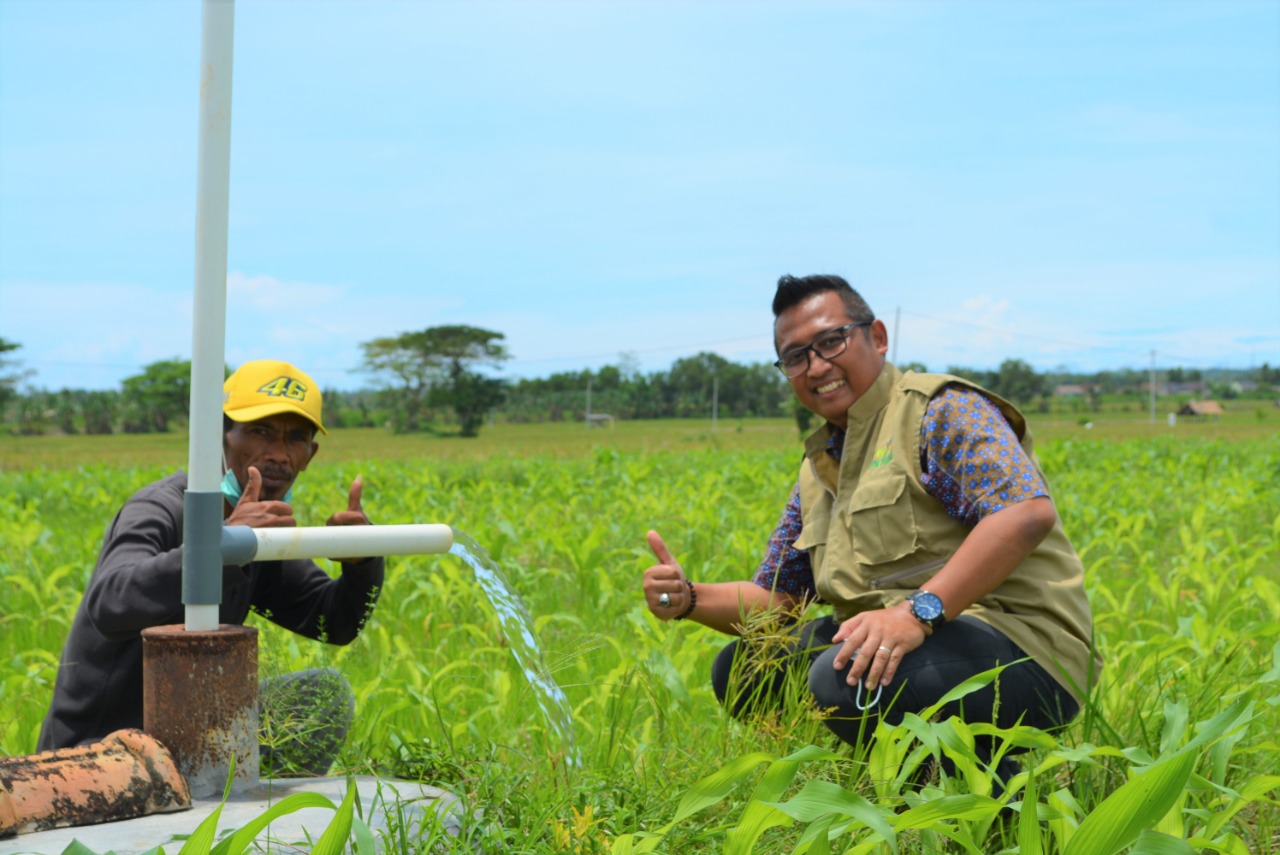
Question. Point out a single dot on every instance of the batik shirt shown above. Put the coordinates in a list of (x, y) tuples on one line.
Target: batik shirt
[(970, 460)]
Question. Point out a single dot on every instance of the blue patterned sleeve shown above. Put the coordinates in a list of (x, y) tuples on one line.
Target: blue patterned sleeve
[(974, 464), (785, 568)]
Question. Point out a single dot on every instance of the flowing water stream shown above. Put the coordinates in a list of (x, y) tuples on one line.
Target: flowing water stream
[(518, 630)]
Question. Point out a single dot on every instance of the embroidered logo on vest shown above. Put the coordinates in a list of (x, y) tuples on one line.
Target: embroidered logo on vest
[(883, 456)]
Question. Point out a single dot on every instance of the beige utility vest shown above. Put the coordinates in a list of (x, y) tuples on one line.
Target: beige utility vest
[(874, 534)]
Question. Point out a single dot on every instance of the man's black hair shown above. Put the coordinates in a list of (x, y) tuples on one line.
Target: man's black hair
[(794, 289)]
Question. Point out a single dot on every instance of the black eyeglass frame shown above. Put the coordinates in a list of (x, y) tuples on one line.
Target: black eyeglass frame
[(809, 349)]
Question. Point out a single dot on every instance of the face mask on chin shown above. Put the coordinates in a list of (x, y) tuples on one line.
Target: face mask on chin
[(232, 492)]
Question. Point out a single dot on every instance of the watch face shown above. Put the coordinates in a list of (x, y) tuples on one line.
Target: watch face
[(926, 606)]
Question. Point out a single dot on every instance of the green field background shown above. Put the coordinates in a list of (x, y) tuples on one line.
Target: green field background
[(1178, 528)]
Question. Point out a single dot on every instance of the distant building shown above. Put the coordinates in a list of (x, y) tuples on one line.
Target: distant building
[(1070, 390), (1201, 409), (1187, 387)]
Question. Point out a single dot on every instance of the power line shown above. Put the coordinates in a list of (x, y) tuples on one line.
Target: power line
[(1046, 339)]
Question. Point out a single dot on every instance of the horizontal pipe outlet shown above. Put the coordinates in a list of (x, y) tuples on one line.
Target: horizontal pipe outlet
[(351, 541)]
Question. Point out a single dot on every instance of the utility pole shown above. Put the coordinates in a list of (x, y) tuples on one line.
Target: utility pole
[(897, 323), (586, 417)]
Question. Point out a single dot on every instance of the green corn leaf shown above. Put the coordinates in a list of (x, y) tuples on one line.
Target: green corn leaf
[(816, 839), (1254, 789), (1029, 842), (1272, 674), (758, 815), (333, 840), (237, 843), (932, 812), (1135, 806), (365, 844), (75, 847), (973, 684), (1176, 717), (757, 818), (1155, 843), (1235, 716), (716, 786), (1228, 844), (661, 666), (818, 799), (626, 844), (201, 840)]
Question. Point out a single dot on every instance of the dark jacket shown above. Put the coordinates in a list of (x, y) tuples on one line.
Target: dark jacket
[(137, 583)]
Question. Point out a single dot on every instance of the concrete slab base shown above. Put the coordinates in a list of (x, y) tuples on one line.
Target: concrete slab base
[(390, 806)]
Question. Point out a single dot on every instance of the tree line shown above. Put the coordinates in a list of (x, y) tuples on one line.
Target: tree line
[(442, 379)]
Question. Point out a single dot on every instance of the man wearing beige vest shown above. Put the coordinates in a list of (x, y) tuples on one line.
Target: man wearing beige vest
[(921, 516)]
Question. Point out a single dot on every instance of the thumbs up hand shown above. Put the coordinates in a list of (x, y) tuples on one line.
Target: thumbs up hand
[(353, 515), (253, 512), (665, 590)]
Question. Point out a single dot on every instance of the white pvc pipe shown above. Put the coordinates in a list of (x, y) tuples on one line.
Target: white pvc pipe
[(201, 618), (351, 541), (213, 176), (212, 199)]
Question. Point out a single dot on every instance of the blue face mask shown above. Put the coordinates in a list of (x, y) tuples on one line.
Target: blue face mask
[(231, 489)]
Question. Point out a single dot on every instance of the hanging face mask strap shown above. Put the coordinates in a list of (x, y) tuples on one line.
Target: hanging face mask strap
[(231, 488)]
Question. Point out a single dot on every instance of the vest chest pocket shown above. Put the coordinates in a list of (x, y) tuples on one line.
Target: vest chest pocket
[(882, 522), (815, 521)]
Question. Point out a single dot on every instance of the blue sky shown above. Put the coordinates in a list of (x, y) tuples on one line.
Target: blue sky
[(1071, 184)]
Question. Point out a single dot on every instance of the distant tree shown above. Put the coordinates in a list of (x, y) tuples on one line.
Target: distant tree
[(157, 397), (66, 411), (1017, 381), (472, 396), (1224, 390), (33, 413), (98, 408), (977, 375), (435, 367), (10, 377), (918, 367)]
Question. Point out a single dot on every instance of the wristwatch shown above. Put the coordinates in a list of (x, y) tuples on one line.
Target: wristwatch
[(928, 609)]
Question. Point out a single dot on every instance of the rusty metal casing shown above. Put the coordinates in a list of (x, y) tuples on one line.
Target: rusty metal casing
[(200, 698)]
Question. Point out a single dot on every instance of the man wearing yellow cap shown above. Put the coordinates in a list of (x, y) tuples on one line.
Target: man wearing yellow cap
[(271, 413)]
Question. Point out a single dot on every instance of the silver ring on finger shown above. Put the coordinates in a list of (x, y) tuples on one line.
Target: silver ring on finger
[(664, 599), (888, 650)]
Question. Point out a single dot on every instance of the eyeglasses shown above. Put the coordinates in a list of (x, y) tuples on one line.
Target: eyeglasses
[(829, 345)]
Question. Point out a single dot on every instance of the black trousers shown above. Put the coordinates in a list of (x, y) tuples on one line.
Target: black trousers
[(745, 680)]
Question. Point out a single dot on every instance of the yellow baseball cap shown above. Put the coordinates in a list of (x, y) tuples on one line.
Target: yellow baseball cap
[(266, 387)]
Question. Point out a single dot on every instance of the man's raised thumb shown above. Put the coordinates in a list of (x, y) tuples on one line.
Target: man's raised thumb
[(660, 549), (253, 489)]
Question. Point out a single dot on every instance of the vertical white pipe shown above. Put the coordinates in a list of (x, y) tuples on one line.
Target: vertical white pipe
[(204, 469), (897, 325)]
